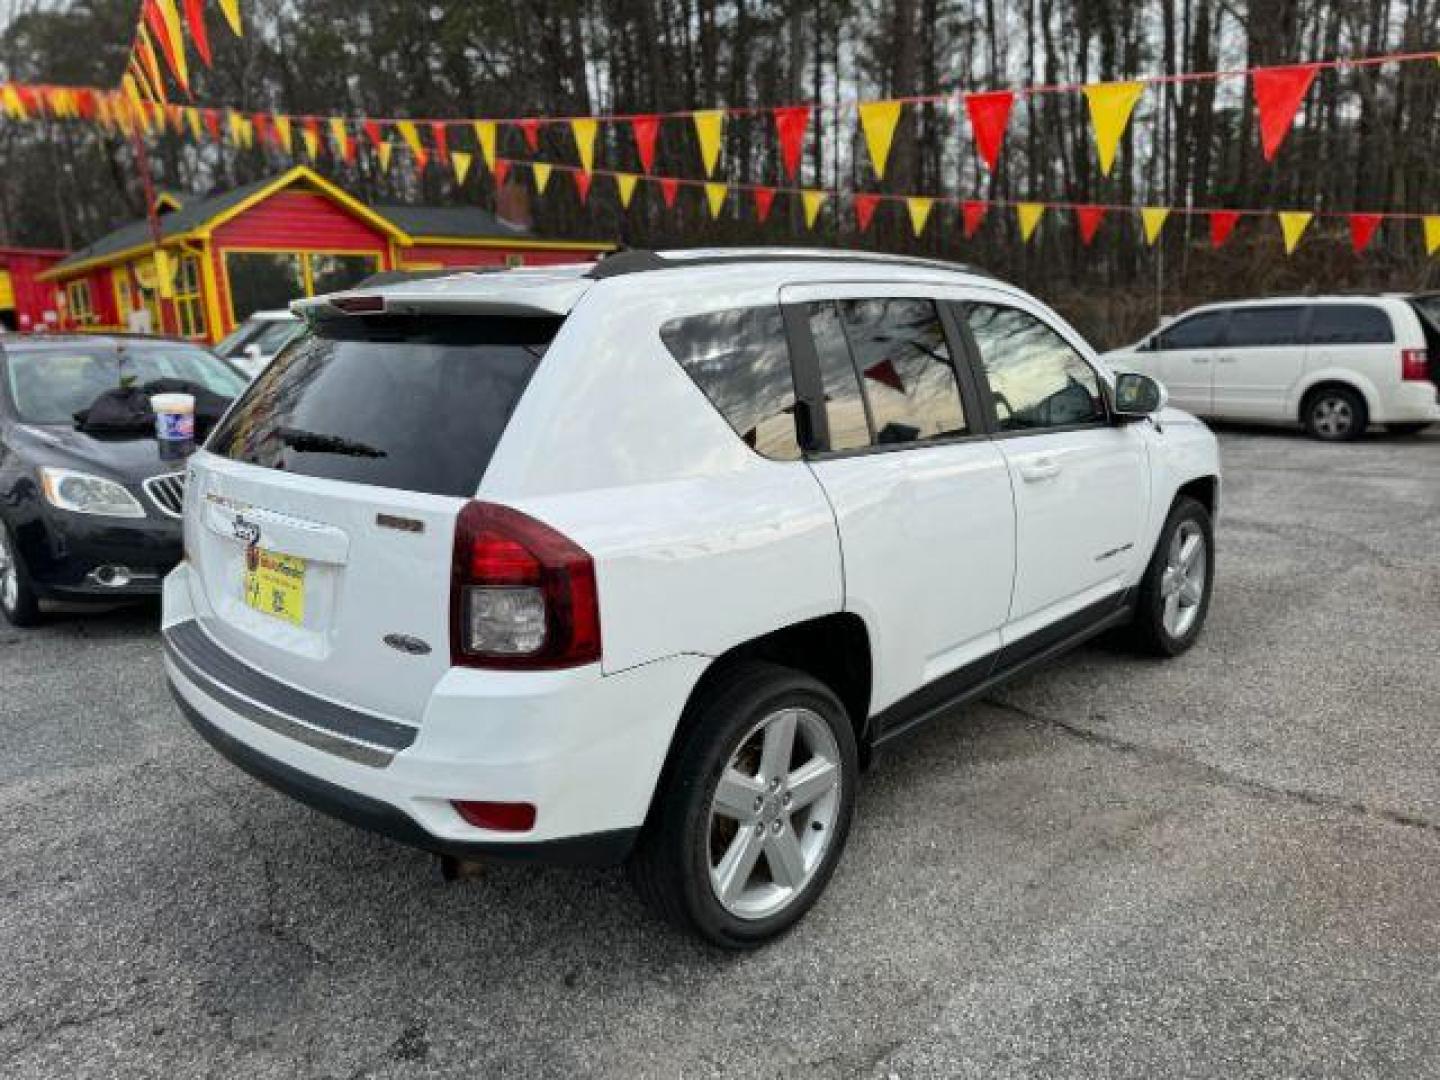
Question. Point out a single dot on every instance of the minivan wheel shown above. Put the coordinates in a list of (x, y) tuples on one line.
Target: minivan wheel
[(1335, 414), (753, 817), (18, 602), (1175, 592)]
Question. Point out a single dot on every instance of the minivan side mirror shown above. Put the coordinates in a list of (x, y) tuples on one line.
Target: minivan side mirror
[(253, 353), (1138, 396)]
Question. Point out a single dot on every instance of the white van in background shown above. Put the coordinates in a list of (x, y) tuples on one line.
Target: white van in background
[(1335, 364), (254, 343)]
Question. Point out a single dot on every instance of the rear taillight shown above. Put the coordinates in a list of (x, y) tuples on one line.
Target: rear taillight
[(1415, 365), (521, 595)]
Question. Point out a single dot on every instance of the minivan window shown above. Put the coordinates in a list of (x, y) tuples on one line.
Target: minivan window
[(740, 360), (1350, 324), (1037, 380), (405, 402), (1203, 331), (1257, 327)]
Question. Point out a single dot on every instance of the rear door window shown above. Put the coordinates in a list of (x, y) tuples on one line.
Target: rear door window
[(408, 402), (1350, 324), (740, 360), (1203, 331), (1261, 327)]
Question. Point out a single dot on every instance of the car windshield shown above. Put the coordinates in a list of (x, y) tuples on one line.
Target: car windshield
[(50, 385)]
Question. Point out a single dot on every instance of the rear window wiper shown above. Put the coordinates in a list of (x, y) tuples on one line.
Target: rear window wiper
[(315, 442)]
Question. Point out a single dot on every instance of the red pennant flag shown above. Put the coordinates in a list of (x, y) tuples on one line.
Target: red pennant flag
[(865, 210), (885, 374), (989, 116), (1089, 219), (195, 16), (212, 123), (1278, 94), (531, 130), (973, 213), (646, 128), (1362, 230), (1222, 224), (500, 170), (442, 141), (85, 103), (790, 125), (669, 187), (160, 31), (373, 132), (262, 128), (764, 199), (582, 184)]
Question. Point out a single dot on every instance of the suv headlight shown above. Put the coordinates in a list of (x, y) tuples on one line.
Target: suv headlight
[(82, 493)]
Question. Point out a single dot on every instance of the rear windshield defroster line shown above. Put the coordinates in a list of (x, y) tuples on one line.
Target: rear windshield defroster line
[(427, 397)]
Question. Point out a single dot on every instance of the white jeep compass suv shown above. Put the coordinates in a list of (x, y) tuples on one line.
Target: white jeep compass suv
[(640, 561)]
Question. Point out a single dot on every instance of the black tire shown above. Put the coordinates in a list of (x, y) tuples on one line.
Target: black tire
[(1150, 631), (20, 606), (1334, 414), (670, 867), (1406, 429)]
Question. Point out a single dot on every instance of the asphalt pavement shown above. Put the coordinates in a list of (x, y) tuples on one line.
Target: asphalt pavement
[(1226, 865)]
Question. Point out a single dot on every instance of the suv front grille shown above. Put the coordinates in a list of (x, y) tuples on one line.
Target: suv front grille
[(167, 493)]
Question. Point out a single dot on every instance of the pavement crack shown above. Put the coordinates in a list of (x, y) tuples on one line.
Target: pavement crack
[(1224, 778)]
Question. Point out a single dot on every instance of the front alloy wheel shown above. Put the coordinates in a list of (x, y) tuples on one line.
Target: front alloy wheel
[(1174, 594), (754, 808), (17, 599)]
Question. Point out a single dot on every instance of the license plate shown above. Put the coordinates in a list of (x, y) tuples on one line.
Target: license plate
[(275, 584)]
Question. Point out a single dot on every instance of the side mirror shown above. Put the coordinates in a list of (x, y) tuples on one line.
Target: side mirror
[(253, 353), (1138, 396)]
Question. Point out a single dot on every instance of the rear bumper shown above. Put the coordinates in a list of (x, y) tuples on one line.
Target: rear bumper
[(585, 749), (1412, 403)]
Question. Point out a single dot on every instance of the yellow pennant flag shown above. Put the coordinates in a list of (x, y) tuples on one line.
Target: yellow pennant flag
[(15, 105), (715, 197), (234, 121), (919, 212), (340, 136), (231, 8), (461, 160), (584, 130), (312, 142), (878, 120), (542, 176), (385, 151), (171, 16), (1029, 214), (411, 134), (485, 136), (192, 120), (1432, 234), (1153, 218), (625, 182), (1293, 224), (709, 125), (1110, 107), (812, 201), (282, 131), (247, 132)]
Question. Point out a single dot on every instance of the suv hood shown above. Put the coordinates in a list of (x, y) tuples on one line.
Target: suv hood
[(130, 459)]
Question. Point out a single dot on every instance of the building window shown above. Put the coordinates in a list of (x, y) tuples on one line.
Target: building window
[(267, 281), (77, 298), (189, 303)]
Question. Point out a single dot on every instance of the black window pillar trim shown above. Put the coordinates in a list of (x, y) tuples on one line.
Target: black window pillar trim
[(812, 424), (969, 372)]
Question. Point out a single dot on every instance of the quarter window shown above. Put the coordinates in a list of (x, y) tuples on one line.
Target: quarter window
[(1350, 324), (1258, 327), (741, 361), (1037, 380), (1203, 331)]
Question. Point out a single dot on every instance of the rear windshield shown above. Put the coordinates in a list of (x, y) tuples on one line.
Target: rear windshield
[(411, 402)]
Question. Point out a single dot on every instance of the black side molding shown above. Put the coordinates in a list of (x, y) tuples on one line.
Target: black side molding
[(592, 849)]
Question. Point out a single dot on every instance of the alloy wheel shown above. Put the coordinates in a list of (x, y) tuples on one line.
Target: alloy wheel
[(1332, 417), (1182, 586), (773, 814)]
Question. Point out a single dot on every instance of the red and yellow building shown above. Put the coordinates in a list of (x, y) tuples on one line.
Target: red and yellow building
[(260, 246), (25, 300)]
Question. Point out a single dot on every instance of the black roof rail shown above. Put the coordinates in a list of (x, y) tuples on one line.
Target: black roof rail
[(640, 260)]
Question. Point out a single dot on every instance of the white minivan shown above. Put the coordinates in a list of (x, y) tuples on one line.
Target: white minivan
[(1334, 364), (640, 561)]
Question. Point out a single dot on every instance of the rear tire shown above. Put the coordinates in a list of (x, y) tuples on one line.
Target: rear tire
[(740, 862), (18, 602), (1406, 429), (1335, 414), (1175, 591)]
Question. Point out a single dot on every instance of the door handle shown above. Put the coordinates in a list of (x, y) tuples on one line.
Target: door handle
[(1225, 359), (1199, 359), (1042, 469)]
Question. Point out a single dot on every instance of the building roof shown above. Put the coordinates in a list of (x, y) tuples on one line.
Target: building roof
[(463, 222)]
